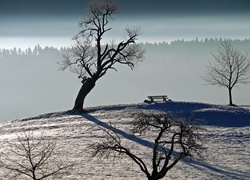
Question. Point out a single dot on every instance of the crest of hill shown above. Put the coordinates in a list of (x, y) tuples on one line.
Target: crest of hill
[(209, 114)]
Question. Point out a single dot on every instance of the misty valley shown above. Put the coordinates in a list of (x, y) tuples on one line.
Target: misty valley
[(32, 83)]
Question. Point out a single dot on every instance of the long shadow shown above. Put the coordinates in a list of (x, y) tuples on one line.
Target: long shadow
[(201, 166), (120, 132), (194, 163)]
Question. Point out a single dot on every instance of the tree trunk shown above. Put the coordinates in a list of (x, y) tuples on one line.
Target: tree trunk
[(152, 178), (87, 86), (230, 97)]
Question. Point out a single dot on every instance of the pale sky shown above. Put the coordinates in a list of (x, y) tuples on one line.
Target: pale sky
[(26, 23), (159, 20)]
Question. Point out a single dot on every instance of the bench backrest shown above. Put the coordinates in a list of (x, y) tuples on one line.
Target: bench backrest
[(158, 97)]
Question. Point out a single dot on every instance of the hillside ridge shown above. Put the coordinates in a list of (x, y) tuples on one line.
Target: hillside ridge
[(210, 114)]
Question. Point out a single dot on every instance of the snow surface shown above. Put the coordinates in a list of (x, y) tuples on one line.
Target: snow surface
[(227, 135)]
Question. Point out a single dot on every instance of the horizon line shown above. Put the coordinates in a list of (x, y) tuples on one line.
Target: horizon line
[(178, 40)]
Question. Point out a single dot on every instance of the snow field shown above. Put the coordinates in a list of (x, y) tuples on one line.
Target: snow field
[(227, 156)]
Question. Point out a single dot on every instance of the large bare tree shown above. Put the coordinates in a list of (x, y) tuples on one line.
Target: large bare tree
[(230, 67), (174, 139), (91, 57)]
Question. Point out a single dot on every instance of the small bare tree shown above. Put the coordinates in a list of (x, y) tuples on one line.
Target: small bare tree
[(32, 157), (231, 67), (175, 139), (91, 57)]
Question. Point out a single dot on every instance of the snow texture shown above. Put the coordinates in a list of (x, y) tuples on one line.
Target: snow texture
[(227, 135)]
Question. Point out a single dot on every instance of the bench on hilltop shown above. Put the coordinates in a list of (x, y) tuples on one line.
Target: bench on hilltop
[(161, 97)]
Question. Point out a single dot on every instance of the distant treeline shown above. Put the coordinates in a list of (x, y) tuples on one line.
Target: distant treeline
[(36, 51), (177, 45), (196, 44)]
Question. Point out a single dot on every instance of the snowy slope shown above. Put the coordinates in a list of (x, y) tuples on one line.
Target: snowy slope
[(227, 138)]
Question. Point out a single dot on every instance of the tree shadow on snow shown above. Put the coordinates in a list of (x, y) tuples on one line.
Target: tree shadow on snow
[(202, 166), (120, 132), (211, 170)]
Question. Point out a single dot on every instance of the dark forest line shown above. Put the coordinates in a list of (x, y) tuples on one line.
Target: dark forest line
[(174, 46)]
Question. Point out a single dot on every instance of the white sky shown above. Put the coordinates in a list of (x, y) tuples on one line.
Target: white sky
[(153, 30), (57, 32)]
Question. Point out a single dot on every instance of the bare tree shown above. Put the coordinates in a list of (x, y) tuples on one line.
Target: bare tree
[(231, 67), (91, 57), (175, 139), (32, 157)]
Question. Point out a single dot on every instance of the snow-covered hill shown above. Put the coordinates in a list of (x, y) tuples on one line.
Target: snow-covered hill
[(227, 138)]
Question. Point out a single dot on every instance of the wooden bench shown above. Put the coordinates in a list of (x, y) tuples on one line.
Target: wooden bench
[(163, 97)]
